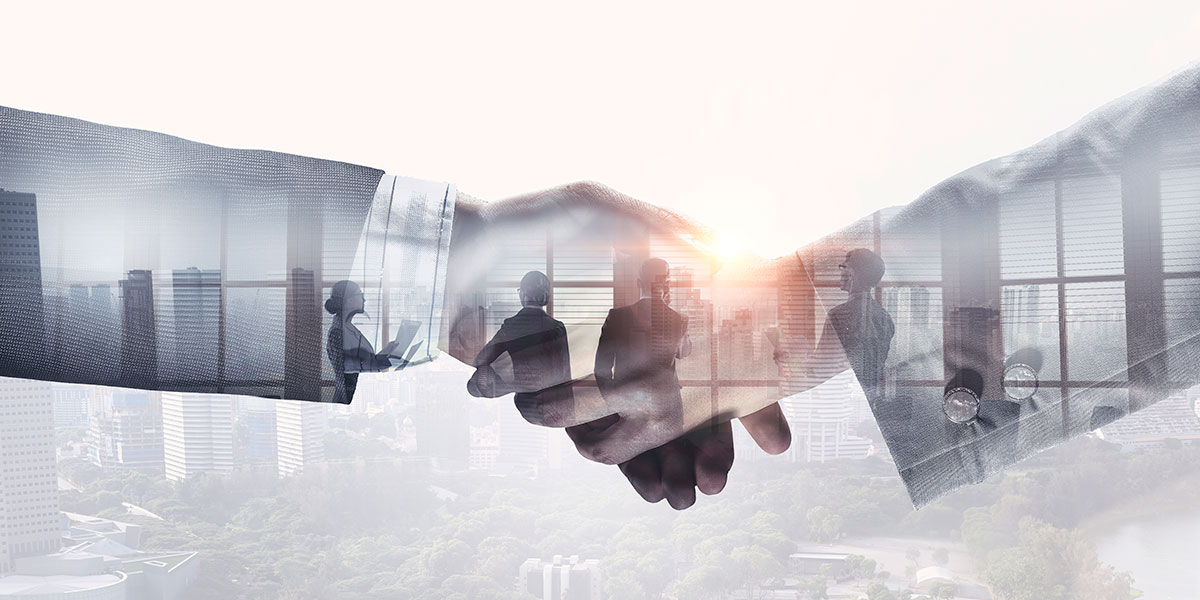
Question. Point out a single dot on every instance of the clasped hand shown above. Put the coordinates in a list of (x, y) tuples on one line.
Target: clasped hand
[(625, 402)]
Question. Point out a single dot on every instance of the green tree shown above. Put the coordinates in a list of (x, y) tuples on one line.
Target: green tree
[(878, 591), (816, 588), (823, 524)]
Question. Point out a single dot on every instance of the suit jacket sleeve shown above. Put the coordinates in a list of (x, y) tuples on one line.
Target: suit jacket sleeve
[(136, 259), (606, 352), (1058, 284)]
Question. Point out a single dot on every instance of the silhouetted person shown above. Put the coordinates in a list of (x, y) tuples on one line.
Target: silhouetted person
[(639, 344), (537, 346), (858, 332), (348, 349)]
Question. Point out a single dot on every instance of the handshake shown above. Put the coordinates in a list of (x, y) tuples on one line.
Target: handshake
[(673, 341)]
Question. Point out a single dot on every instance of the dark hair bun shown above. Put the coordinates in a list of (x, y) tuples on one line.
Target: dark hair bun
[(332, 307)]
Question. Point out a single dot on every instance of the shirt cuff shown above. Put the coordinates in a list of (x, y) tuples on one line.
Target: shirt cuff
[(401, 260)]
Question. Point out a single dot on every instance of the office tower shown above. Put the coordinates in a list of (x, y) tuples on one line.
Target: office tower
[(29, 512), (196, 295), (820, 420), (139, 344), (300, 434), (127, 431), (71, 405), (197, 434), (21, 285), (259, 427), (303, 336), (563, 578)]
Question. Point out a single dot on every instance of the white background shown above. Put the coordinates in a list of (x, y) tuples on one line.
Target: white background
[(776, 122)]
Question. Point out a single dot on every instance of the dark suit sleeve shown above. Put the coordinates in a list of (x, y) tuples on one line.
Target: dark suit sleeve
[(486, 382), (606, 352), (142, 260)]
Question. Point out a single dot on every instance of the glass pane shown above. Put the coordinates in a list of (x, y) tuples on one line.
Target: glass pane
[(520, 257), (916, 351), (1027, 231), (1180, 190), (578, 258), (256, 239), (255, 329), (1096, 331), (909, 255), (1182, 317), (195, 245), (583, 311), (1093, 238), (1029, 316)]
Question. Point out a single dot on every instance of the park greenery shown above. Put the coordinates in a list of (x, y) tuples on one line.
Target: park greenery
[(390, 527)]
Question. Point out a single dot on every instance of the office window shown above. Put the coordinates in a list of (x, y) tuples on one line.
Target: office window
[(1095, 314), (1093, 236), (1028, 238)]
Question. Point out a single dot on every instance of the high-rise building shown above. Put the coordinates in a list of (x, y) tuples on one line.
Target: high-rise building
[(563, 578), (71, 405), (196, 295), (259, 428), (29, 511), (139, 340), (821, 421), (21, 285), (300, 434), (197, 434), (127, 431)]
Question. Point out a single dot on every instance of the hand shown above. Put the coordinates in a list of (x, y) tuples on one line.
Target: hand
[(482, 248), (700, 460)]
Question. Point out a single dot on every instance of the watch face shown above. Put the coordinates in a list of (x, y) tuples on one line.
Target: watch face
[(1020, 382), (961, 405)]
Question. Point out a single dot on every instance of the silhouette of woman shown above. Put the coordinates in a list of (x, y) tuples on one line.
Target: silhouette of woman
[(348, 349)]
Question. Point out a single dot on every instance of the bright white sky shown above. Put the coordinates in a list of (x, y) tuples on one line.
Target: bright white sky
[(775, 122)]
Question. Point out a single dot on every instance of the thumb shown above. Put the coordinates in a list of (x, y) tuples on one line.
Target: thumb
[(769, 429)]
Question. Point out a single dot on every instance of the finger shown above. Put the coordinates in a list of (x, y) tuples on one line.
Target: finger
[(769, 429), (714, 457), (645, 475), (621, 440), (563, 405), (678, 472)]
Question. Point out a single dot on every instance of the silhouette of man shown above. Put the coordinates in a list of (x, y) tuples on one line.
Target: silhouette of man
[(537, 346), (858, 332), (639, 343)]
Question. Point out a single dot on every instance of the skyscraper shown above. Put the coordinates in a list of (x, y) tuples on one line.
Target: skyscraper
[(197, 434), (29, 511), (139, 343), (70, 405), (127, 431), (258, 425), (21, 285), (300, 434), (197, 305)]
